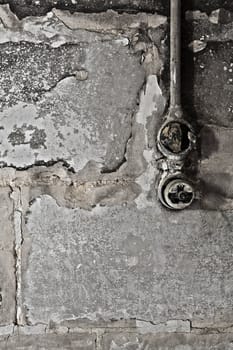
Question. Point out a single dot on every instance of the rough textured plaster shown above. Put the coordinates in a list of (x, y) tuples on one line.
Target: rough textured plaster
[(109, 21), (49, 342), (7, 264), (123, 341), (65, 123), (216, 27), (54, 28), (67, 103), (124, 262), (93, 185)]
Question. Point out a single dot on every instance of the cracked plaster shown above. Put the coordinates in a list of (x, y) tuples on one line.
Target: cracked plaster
[(32, 110), (89, 187)]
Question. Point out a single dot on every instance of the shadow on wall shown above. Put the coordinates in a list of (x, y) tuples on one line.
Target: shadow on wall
[(215, 182)]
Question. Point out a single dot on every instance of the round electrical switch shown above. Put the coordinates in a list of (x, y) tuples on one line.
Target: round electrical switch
[(177, 194)]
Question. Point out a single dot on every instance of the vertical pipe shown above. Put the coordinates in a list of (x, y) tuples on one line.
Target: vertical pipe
[(175, 54)]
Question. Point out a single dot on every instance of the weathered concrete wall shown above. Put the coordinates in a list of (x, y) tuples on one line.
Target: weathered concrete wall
[(89, 258)]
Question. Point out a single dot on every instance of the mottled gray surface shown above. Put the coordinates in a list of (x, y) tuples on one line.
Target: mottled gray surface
[(216, 167), (208, 85), (7, 286), (124, 263), (7, 278), (71, 95), (124, 341), (61, 117), (6, 211), (49, 342)]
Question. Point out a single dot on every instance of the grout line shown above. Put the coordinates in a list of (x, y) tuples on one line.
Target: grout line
[(99, 338), (41, 329), (16, 196)]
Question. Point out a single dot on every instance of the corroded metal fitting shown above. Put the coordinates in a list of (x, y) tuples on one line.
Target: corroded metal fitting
[(175, 191), (176, 138)]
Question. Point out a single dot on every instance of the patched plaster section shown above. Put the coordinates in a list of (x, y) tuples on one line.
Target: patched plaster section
[(18, 149), (47, 29), (56, 28), (67, 122), (63, 120), (90, 186), (109, 21), (152, 106), (171, 326)]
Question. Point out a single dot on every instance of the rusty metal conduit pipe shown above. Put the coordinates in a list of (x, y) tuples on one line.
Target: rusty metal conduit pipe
[(175, 55), (176, 137)]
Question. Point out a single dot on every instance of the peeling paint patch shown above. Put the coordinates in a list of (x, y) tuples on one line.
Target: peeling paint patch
[(56, 28), (149, 100), (151, 108), (109, 21), (80, 113)]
